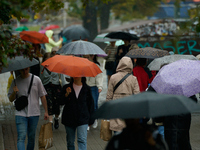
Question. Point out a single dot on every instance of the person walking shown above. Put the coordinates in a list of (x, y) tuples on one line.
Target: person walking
[(78, 108), (177, 128), (52, 43), (111, 51), (27, 119), (96, 85), (142, 73), (52, 85), (121, 52), (137, 136), (127, 87)]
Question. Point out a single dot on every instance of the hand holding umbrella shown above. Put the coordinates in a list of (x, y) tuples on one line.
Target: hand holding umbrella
[(68, 91)]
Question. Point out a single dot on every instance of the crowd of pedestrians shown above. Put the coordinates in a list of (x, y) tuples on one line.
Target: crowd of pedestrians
[(79, 96)]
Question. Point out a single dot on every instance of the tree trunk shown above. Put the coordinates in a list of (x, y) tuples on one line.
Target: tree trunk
[(104, 15), (90, 20)]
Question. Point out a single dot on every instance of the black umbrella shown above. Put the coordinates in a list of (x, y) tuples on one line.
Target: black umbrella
[(122, 35), (75, 32), (146, 104), (17, 63), (147, 52)]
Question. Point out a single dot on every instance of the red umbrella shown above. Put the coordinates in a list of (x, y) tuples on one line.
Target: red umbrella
[(50, 27), (34, 37), (72, 66)]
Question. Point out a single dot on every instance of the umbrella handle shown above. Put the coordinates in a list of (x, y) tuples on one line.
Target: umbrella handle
[(42, 70)]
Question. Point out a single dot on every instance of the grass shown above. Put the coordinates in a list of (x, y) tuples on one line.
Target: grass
[(34, 28)]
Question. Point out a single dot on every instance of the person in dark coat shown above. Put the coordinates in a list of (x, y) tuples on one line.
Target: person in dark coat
[(78, 108), (176, 129), (121, 52), (137, 136)]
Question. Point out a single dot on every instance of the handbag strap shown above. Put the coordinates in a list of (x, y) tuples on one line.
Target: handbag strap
[(117, 85), (29, 89)]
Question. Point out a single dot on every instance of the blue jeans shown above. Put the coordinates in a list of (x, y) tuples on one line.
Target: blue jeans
[(81, 137), (95, 96), (26, 125), (161, 131)]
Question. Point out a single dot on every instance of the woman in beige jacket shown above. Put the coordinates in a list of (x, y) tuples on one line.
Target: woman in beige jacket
[(128, 87)]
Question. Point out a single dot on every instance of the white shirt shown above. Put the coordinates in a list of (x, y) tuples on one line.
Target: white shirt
[(77, 89)]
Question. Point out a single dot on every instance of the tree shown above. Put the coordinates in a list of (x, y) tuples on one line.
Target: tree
[(10, 45)]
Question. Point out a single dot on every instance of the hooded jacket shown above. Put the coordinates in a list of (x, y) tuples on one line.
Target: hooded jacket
[(128, 87), (52, 43)]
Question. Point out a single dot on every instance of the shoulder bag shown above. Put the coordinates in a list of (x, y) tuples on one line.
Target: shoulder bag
[(22, 101)]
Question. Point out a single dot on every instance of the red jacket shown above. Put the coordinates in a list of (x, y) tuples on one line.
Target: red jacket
[(142, 77)]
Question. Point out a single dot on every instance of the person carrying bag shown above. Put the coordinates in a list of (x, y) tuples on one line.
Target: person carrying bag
[(117, 88), (105, 132)]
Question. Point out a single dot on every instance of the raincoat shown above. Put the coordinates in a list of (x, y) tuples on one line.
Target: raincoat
[(52, 43), (128, 87)]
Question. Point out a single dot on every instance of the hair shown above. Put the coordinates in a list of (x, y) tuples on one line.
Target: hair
[(83, 80), (141, 61), (95, 60), (46, 55)]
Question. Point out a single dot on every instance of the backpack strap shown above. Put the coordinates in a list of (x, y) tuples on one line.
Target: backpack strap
[(29, 89), (117, 85)]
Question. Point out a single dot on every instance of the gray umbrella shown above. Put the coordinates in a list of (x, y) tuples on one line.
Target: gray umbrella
[(158, 62), (19, 62), (81, 48), (146, 104)]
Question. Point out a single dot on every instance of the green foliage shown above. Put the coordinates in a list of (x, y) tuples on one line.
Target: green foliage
[(11, 46), (131, 9)]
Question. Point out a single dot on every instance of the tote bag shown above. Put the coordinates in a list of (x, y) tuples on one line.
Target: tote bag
[(105, 132), (45, 136)]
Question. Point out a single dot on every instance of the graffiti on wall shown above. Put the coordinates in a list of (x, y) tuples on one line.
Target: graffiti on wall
[(185, 45)]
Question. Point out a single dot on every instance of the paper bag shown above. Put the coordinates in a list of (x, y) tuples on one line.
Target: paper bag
[(105, 132), (45, 136)]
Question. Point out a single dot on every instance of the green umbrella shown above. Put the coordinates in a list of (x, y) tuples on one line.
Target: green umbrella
[(22, 28)]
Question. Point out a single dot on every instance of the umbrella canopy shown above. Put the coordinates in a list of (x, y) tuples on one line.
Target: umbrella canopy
[(81, 48), (122, 35), (147, 52), (198, 56), (75, 32), (72, 66), (180, 78), (42, 31), (51, 27), (102, 38), (18, 63), (34, 37), (158, 62), (146, 104), (22, 28)]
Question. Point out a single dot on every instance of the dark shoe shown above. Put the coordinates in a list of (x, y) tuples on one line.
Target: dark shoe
[(56, 123)]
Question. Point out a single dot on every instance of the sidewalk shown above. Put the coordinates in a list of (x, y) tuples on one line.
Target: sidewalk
[(8, 138)]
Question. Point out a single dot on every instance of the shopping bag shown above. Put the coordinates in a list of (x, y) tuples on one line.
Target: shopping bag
[(105, 132), (45, 136)]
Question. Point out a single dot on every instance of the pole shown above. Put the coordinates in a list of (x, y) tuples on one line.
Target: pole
[(65, 14)]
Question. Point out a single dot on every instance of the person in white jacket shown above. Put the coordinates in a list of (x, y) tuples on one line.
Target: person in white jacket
[(95, 83), (52, 43)]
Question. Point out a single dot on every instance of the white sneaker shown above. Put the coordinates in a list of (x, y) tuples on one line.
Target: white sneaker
[(88, 128), (95, 124)]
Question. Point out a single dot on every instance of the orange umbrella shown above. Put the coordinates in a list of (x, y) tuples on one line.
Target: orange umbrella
[(34, 37), (50, 27), (72, 66)]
